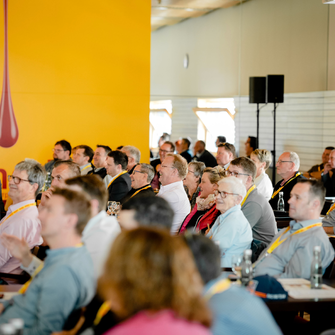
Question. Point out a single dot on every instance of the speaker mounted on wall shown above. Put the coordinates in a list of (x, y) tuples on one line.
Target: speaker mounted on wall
[(257, 90), (275, 88)]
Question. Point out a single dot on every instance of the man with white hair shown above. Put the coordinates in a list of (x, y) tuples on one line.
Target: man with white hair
[(327, 176), (173, 171), (231, 230), (254, 206), (21, 219), (288, 168), (134, 157)]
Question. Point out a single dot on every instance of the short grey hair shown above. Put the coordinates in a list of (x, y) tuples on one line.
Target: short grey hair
[(199, 168), (133, 152), (35, 171), (263, 155), (74, 169), (295, 159), (236, 185), (149, 170)]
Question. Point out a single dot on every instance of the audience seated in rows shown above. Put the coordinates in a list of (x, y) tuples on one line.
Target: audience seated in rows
[(250, 145), (316, 170), (262, 158), (328, 222), (192, 181), (231, 230), (225, 154), (203, 155), (133, 155), (143, 261), (120, 183), (100, 160), (288, 168), (83, 155), (62, 171), (204, 212), (254, 206), (66, 282), (327, 176), (290, 253), (173, 171), (61, 151), (21, 219), (234, 309), (166, 148), (141, 178)]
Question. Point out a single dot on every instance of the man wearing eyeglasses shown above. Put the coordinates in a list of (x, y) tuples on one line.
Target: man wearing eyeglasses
[(254, 206), (61, 151), (21, 219), (140, 182), (231, 230), (173, 171), (166, 148), (288, 168)]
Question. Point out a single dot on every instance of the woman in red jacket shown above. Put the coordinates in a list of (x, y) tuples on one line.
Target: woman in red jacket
[(204, 212)]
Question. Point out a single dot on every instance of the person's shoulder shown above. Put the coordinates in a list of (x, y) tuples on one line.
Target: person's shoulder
[(155, 162)]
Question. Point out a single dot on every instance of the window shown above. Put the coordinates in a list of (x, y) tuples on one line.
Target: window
[(160, 121), (215, 118)]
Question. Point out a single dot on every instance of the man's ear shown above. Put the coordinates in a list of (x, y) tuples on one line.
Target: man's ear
[(249, 179), (71, 220), (239, 199)]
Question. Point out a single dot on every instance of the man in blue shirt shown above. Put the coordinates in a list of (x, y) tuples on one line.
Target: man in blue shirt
[(66, 281)]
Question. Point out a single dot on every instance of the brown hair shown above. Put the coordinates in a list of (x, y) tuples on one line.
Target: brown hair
[(93, 186), (229, 147), (72, 167), (179, 163), (75, 203), (148, 269), (247, 165), (215, 174)]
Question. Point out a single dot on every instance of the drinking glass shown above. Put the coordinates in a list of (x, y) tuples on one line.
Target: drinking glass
[(236, 262)]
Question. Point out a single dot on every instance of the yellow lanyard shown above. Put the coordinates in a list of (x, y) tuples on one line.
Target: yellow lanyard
[(278, 242), (86, 167), (331, 208), (104, 308), (219, 287), (149, 186), (24, 288), (275, 193), (249, 191), (123, 172), (16, 211)]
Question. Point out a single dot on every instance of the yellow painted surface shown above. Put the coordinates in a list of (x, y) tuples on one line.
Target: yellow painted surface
[(79, 70)]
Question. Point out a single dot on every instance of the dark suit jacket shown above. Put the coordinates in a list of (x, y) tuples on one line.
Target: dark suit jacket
[(102, 172), (147, 192), (119, 187), (287, 190), (186, 155), (207, 158), (329, 184)]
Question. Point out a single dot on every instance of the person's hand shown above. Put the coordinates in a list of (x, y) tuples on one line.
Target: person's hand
[(327, 168), (18, 248), (46, 196)]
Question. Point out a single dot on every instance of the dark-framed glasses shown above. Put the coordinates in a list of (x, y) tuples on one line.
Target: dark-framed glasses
[(235, 174), (57, 150), (279, 162), (17, 180), (137, 172)]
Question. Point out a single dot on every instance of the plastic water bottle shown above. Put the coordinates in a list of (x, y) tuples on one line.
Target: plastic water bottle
[(246, 268), (18, 325), (281, 202), (316, 269)]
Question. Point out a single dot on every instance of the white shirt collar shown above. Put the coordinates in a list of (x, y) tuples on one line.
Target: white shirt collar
[(116, 176), (170, 186), (83, 167)]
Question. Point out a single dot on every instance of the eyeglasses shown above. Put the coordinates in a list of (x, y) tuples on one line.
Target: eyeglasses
[(279, 162), (165, 151), (17, 180), (172, 167), (137, 172), (57, 150), (235, 174), (224, 194)]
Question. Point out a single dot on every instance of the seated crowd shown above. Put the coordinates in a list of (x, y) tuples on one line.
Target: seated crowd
[(156, 266)]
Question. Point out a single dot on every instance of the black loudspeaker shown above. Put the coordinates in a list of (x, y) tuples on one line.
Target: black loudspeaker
[(257, 91), (275, 88)]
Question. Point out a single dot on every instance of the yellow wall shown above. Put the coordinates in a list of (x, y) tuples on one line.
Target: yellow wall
[(79, 70)]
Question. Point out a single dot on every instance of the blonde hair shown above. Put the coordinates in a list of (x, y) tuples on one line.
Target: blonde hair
[(263, 155), (215, 174), (179, 163), (148, 269)]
